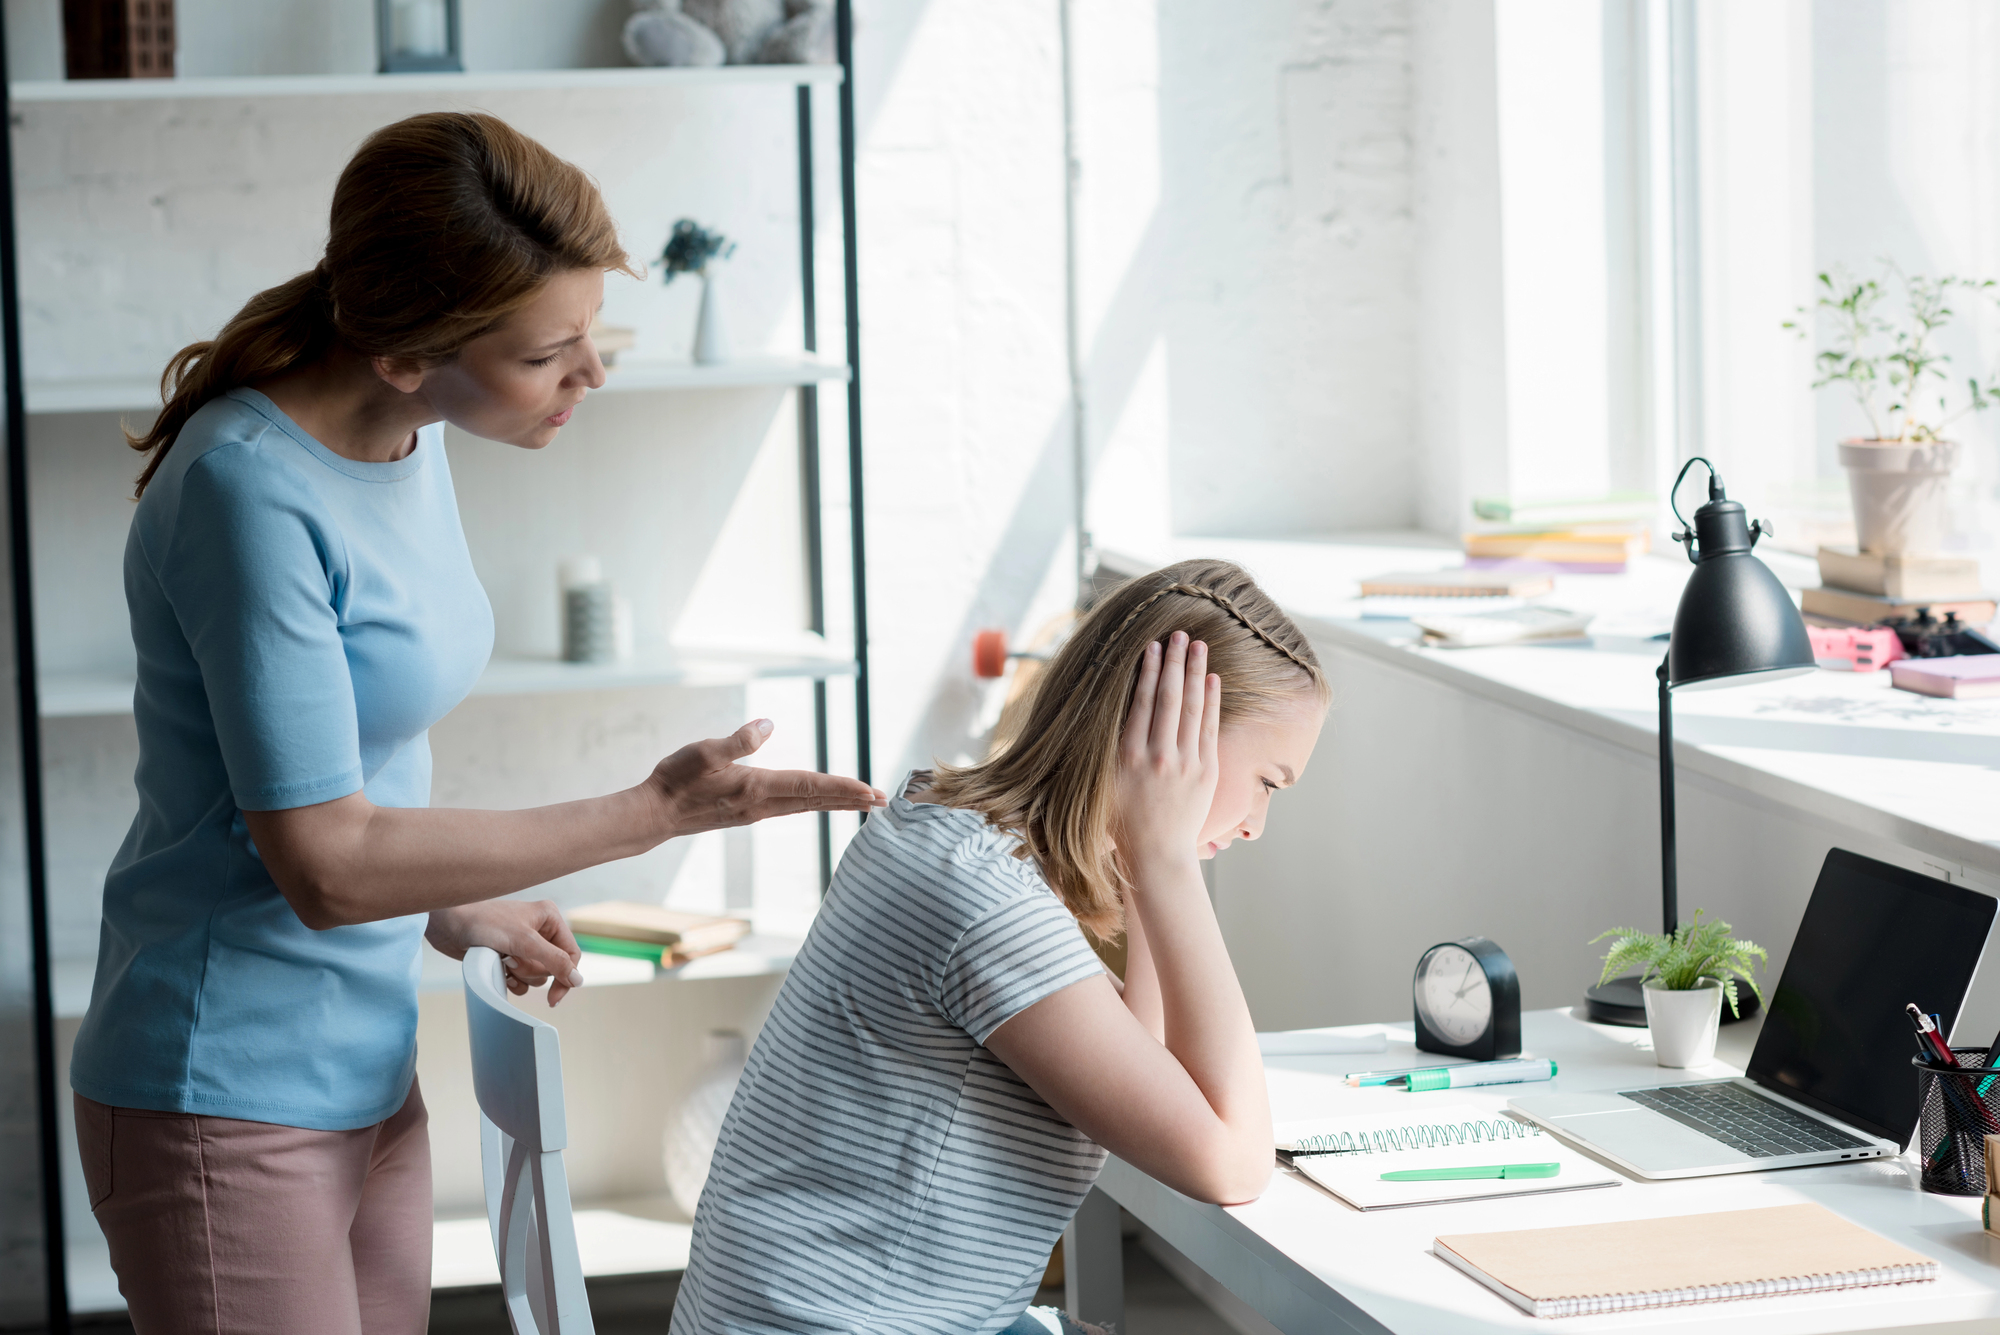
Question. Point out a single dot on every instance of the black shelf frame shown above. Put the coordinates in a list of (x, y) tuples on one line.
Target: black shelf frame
[(21, 579)]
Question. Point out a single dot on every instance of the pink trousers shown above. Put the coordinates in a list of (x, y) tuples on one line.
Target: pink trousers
[(221, 1227)]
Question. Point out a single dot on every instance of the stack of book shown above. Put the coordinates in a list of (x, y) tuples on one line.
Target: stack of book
[(1865, 588), (667, 937), (1579, 537)]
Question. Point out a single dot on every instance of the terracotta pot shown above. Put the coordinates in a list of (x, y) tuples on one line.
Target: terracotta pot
[(1684, 1023), (1899, 489)]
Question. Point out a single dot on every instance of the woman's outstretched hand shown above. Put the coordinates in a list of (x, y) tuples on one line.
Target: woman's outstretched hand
[(1166, 756), (702, 787), (531, 937)]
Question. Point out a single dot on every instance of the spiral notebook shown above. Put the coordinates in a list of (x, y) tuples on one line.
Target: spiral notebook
[(1587, 1269), (1348, 1155)]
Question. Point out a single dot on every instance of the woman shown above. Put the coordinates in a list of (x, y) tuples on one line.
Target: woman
[(948, 1062), (304, 608)]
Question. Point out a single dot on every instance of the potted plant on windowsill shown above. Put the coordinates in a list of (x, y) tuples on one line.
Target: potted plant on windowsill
[(1899, 474), (1686, 976)]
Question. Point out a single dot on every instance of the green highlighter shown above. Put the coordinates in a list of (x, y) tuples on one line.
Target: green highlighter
[(1483, 1170)]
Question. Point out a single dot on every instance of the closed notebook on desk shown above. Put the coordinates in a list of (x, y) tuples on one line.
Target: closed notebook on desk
[(1357, 1150), (1586, 1269)]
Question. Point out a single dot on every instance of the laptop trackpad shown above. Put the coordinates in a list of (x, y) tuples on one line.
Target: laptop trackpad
[(1638, 1136)]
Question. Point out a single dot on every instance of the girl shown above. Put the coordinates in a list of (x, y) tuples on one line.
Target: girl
[(304, 608), (948, 1062)]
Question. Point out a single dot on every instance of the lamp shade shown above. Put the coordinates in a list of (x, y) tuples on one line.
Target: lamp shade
[(1735, 620)]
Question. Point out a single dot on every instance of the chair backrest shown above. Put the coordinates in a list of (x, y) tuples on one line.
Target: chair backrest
[(517, 1078)]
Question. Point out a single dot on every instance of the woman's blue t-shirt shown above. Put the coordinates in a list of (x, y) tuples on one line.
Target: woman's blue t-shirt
[(301, 620)]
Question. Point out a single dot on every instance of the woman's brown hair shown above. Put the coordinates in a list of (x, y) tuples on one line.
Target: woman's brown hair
[(442, 226), (1052, 787)]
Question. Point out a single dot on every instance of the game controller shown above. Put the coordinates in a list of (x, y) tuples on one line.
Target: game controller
[(1867, 649)]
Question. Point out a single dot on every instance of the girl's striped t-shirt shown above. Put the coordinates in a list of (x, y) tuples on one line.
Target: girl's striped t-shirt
[(879, 1170)]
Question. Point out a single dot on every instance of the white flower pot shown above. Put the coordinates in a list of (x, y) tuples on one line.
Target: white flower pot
[(711, 343), (1900, 492), (1684, 1023)]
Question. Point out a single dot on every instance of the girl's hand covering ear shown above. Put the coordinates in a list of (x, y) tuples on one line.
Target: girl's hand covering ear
[(532, 938), (701, 787), (1166, 757)]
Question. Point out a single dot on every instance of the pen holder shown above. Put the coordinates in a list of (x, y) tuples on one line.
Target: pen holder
[(1959, 1110)]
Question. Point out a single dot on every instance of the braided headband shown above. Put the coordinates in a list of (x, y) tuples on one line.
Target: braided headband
[(1221, 600)]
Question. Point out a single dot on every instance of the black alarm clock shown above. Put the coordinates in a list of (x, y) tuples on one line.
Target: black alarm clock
[(1468, 1001)]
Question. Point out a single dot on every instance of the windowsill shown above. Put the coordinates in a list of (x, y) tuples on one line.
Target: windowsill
[(1846, 746)]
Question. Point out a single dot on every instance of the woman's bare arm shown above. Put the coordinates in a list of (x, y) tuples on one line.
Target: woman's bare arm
[(350, 861)]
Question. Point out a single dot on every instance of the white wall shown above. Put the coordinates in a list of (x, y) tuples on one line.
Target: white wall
[(1246, 315), (236, 37)]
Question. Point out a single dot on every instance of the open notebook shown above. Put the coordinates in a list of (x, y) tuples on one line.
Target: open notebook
[(1348, 1155), (1699, 1258)]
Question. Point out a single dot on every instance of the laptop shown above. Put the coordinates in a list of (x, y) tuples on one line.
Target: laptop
[(1830, 1078)]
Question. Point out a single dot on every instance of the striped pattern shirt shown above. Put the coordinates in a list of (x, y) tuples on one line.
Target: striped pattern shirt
[(879, 1170)]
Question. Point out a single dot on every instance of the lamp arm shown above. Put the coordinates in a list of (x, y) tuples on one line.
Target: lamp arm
[(1670, 911)]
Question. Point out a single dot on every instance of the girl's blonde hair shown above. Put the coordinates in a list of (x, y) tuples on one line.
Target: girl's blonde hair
[(1052, 786), (442, 226)]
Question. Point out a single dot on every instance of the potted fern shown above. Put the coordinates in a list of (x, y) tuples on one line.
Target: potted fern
[(1686, 977)]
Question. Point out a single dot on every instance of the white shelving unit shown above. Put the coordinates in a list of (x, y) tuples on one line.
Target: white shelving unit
[(616, 1237), (117, 394), (352, 85)]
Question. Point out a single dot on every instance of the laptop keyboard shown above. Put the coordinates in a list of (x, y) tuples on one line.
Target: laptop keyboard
[(1739, 1119)]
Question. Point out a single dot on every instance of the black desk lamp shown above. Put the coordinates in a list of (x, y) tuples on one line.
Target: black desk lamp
[(1735, 625)]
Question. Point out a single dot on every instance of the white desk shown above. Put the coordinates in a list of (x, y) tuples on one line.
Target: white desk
[(1308, 1263)]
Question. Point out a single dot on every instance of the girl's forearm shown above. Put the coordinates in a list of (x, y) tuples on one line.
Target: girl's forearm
[(1206, 1021), (1142, 977)]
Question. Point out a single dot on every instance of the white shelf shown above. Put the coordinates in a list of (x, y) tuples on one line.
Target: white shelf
[(348, 85), (110, 394), (95, 694), (758, 955)]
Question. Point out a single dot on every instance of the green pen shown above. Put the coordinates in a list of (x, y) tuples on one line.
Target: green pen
[(1484, 1170)]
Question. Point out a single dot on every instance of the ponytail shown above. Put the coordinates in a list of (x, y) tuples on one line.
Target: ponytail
[(279, 328), (442, 226)]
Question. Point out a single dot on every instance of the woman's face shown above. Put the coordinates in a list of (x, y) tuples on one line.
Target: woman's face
[(1256, 757), (518, 384)]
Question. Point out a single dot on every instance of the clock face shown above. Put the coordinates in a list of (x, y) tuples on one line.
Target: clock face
[(1452, 995)]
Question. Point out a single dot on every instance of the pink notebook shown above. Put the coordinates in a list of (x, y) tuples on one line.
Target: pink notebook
[(1967, 677)]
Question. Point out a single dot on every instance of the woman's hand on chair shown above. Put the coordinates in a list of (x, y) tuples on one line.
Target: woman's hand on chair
[(701, 787), (531, 937)]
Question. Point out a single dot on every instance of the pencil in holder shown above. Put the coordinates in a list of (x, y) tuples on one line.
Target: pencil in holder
[(1959, 1110)]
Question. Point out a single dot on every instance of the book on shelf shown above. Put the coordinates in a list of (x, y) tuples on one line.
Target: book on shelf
[(1616, 508), (1587, 1269), (646, 931), (1526, 566), (1457, 583), (1514, 625), (1866, 609), (1964, 677), (1613, 545), (1911, 575)]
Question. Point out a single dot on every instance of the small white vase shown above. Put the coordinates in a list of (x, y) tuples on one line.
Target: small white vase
[(1684, 1023), (711, 342)]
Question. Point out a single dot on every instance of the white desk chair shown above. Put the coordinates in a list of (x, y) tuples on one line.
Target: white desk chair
[(517, 1076)]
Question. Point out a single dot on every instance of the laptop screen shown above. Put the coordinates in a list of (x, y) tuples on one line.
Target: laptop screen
[(1874, 938)]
